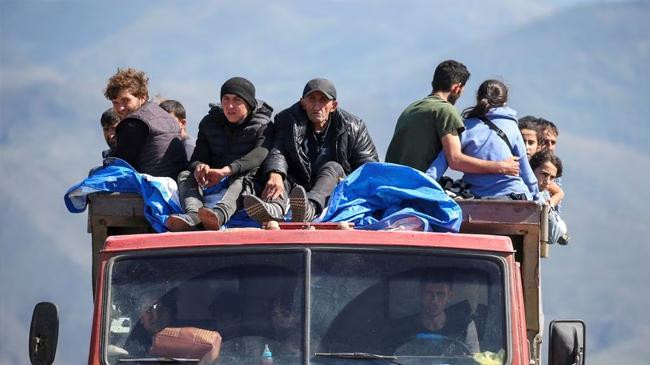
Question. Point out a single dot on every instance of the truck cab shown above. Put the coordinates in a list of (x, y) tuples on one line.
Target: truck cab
[(325, 293)]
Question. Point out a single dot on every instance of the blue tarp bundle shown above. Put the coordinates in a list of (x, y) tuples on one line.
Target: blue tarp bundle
[(118, 176), (382, 195), (160, 194), (375, 196)]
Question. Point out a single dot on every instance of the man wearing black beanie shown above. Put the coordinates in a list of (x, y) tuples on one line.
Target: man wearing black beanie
[(232, 143), (241, 87)]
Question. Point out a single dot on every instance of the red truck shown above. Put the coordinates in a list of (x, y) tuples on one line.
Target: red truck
[(318, 293)]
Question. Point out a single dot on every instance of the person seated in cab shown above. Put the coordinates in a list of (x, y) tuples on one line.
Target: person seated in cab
[(153, 336), (148, 138), (435, 330), (154, 314), (232, 143), (285, 326), (315, 145)]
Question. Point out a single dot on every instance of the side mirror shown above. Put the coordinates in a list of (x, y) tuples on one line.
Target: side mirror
[(43, 334), (566, 342)]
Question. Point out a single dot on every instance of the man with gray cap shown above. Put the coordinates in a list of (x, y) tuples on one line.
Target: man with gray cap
[(232, 142), (315, 144)]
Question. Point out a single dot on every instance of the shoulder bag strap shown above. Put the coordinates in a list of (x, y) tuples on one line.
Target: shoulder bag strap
[(498, 131)]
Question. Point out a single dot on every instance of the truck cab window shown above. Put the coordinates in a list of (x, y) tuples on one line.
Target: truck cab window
[(252, 300), (407, 305)]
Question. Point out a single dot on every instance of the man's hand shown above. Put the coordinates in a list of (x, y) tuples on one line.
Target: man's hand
[(509, 166), (201, 174), (274, 187), (215, 175)]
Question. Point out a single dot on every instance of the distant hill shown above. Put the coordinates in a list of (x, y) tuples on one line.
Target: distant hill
[(587, 68)]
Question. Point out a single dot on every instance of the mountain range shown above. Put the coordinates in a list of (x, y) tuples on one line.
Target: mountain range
[(585, 66)]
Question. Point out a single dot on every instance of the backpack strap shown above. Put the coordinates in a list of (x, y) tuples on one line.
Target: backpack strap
[(498, 131)]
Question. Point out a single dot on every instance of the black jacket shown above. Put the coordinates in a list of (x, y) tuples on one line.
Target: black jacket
[(352, 144), (243, 147)]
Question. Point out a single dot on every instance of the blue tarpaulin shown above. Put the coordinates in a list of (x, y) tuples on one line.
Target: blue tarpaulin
[(375, 196), (160, 194), (382, 195), (118, 176)]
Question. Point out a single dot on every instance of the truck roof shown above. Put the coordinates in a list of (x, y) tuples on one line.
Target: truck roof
[(350, 237)]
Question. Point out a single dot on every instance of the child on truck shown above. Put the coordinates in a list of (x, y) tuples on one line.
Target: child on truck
[(532, 134), (547, 167)]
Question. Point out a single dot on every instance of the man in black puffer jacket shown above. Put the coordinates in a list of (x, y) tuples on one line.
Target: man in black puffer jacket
[(233, 142), (315, 145)]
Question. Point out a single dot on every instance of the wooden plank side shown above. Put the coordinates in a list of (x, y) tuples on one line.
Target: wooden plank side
[(111, 214)]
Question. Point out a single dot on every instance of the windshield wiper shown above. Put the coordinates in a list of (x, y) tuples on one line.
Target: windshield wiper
[(359, 356), (165, 360)]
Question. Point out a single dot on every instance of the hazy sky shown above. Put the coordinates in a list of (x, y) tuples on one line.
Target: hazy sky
[(55, 58)]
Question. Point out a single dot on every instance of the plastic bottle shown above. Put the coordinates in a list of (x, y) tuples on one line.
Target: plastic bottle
[(267, 356)]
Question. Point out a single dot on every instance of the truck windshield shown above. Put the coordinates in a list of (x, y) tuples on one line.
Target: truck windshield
[(362, 307), (406, 308)]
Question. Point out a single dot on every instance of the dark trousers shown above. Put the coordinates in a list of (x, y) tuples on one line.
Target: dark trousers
[(192, 197), (323, 184)]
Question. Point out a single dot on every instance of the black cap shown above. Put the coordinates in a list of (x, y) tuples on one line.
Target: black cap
[(242, 88), (323, 85)]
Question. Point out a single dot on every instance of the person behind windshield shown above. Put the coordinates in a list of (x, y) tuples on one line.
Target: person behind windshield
[(492, 134), (157, 314), (154, 314), (434, 318), (285, 325)]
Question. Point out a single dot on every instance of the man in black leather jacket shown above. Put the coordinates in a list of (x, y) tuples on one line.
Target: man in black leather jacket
[(315, 145), (233, 142)]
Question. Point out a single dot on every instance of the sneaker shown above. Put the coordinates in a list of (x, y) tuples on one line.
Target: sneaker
[(262, 211), (210, 219), (302, 209), (182, 222)]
